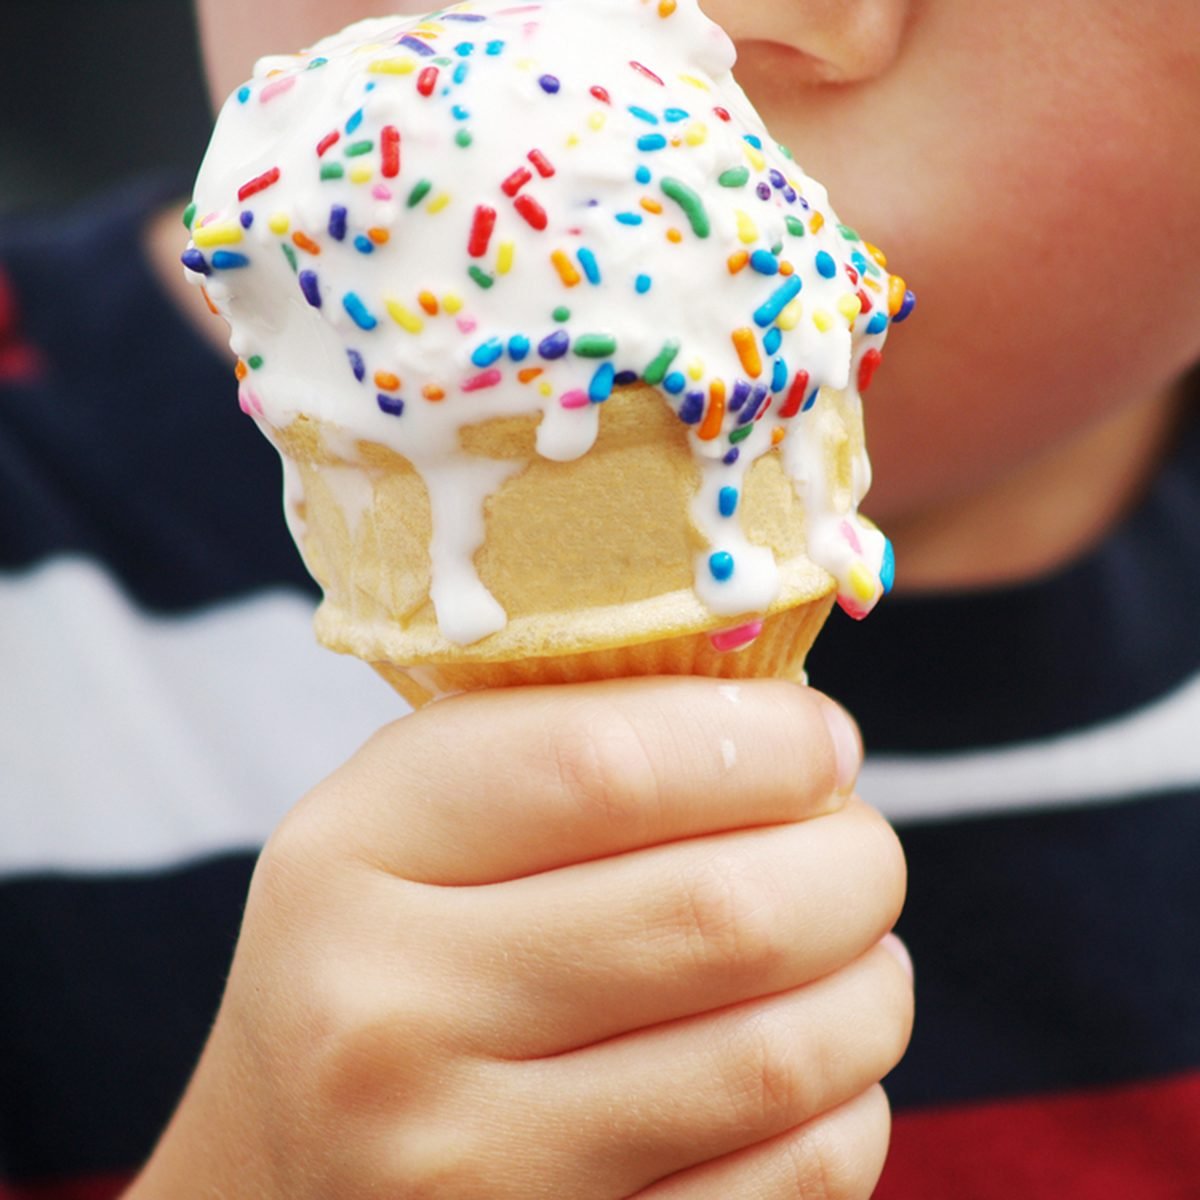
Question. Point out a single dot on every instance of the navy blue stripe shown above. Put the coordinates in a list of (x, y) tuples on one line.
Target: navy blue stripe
[(1053, 950), (132, 449)]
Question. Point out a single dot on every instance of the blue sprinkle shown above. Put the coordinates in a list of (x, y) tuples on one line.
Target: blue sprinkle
[(370, 86), (194, 260), (691, 411), (459, 113), (337, 222), (764, 262), (652, 141), (721, 565), (550, 84), (311, 288), (812, 399), (878, 323), (826, 267), (887, 571), (556, 345), (756, 142), (764, 191), (626, 378), (602, 383), (355, 121), (421, 48), (727, 501), (860, 262), (676, 114), (628, 218), (741, 393), (243, 94), (247, 219), (643, 174), (675, 382), (392, 405), (587, 260), (465, 49), (467, 18), (643, 283), (732, 456), (228, 260), (490, 352), (768, 313), (357, 365), (773, 339), (643, 114), (364, 245), (461, 72), (353, 305), (779, 375), (518, 347), (494, 48)]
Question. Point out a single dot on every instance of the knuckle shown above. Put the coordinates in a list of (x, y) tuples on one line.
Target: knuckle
[(763, 1075), (840, 1159)]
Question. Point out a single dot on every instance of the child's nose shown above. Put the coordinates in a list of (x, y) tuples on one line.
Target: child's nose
[(839, 41)]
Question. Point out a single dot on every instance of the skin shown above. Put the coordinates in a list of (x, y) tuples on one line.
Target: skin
[(624, 968)]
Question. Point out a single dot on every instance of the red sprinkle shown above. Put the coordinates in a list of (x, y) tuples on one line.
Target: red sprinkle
[(389, 144), (481, 231), (258, 184), (488, 379), (427, 81), (516, 181), (601, 94), (532, 211), (866, 301), (545, 168), (723, 113), (327, 141), (795, 397), (868, 367), (851, 273), (649, 74)]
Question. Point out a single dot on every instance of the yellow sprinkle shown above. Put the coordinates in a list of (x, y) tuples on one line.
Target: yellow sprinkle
[(822, 320), (651, 206), (597, 120), (696, 83), (438, 203), (666, 8), (757, 161), (572, 141), (547, 389), (850, 306), (697, 134), (747, 230), (873, 284), (790, 317), (223, 233), (504, 257), (817, 223), (278, 223), (877, 254), (392, 66), (360, 175), (862, 582), (565, 268), (695, 370), (404, 317), (524, 64), (452, 303)]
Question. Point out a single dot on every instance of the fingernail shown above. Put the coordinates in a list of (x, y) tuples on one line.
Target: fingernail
[(894, 946), (847, 745)]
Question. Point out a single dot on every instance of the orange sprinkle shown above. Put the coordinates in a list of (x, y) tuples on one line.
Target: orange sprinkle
[(240, 370), (305, 242), (387, 381), (896, 291), (674, 235), (666, 8), (877, 254), (710, 428), (746, 345), (433, 393), (428, 301), (529, 374), (378, 236), (738, 261), (777, 435), (565, 268), (817, 223), (786, 268), (212, 308), (651, 205)]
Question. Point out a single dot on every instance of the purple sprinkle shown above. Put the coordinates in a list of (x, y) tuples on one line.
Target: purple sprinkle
[(789, 194), (471, 17), (550, 84), (625, 378), (556, 345), (691, 411), (741, 393), (357, 365), (732, 457), (764, 192), (392, 405), (247, 219), (337, 222), (194, 260), (777, 179), (421, 48), (310, 287)]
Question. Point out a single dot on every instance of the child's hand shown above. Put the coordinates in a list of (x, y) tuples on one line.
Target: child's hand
[(574, 942)]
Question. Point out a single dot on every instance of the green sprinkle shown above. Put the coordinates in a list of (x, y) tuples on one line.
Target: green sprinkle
[(357, 149), (740, 434), (254, 362), (786, 153), (463, 138), (442, 61), (482, 278), (777, 249), (332, 170), (692, 205), (561, 314), (848, 233), (795, 226), (189, 215), (596, 345), (419, 193), (734, 177), (289, 254), (656, 372)]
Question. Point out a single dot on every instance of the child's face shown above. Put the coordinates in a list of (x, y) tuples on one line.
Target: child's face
[(1032, 168)]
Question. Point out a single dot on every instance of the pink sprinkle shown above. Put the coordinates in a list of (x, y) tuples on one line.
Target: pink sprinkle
[(851, 535), (276, 88), (467, 324), (853, 608), (381, 191), (248, 401), (726, 640), (576, 399), (488, 379), (649, 74)]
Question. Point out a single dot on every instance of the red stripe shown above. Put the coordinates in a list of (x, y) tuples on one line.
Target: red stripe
[(1140, 1140), (89, 1187)]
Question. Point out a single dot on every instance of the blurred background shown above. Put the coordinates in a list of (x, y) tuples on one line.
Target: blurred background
[(94, 91)]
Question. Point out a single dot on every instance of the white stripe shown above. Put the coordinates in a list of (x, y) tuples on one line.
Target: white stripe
[(129, 741), (1154, 751)]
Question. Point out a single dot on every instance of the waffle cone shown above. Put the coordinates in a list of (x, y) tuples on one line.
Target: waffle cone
[(592, 560)]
